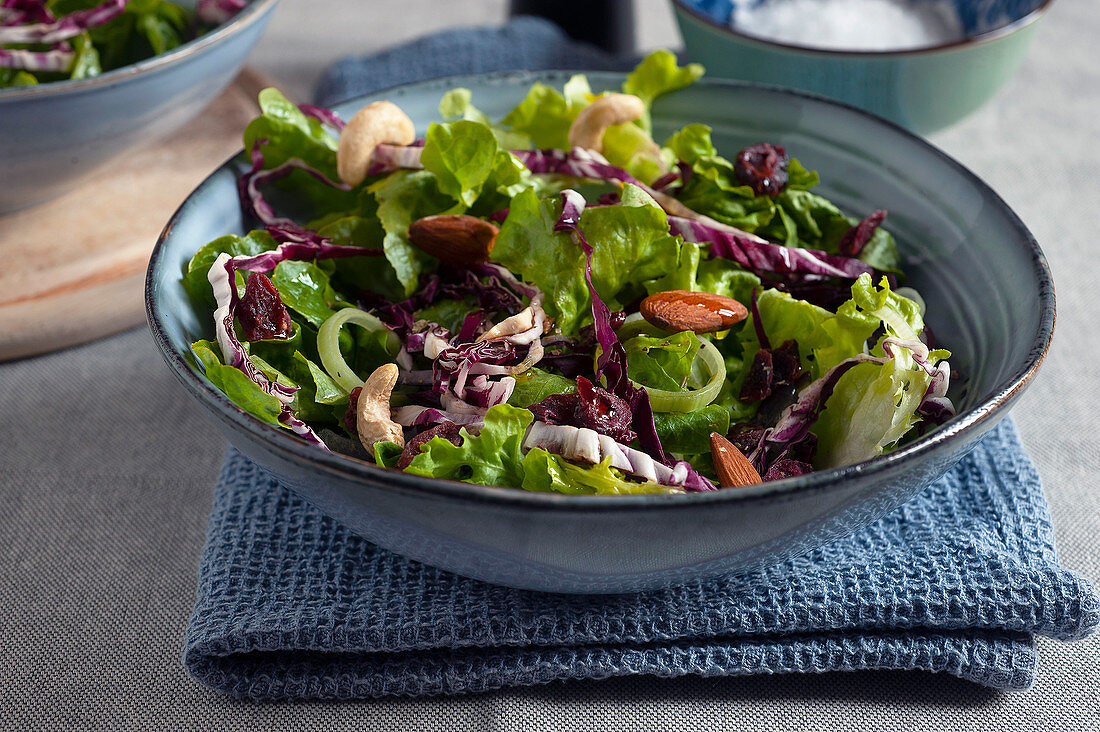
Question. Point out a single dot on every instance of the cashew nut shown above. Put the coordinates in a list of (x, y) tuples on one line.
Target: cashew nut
[(611, 109), (372, 416), (373, 125)]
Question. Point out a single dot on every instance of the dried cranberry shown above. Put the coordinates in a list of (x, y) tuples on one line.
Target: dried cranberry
[(600, 410), (260, 312), (349, 420), (590, 406), (787, 469), (758, 383), (763, 167), (855, 238), (747, 438), (787, 364), (447, 430)]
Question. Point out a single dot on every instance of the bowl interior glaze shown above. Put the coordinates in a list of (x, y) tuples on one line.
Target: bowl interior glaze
[(984, 278)]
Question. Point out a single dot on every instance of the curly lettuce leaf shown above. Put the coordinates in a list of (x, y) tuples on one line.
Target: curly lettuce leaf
[(548, 473), (657, 74), (875, 405), (492, 457), (458, 104)]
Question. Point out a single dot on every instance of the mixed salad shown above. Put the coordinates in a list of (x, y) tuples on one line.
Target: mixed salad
[(52, 40), (556, 302)]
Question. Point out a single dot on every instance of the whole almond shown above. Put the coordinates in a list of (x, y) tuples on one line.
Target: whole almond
[(454, 238), (733, 468), (700, 312)]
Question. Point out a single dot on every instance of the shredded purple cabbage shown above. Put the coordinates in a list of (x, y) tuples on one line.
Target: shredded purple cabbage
[(57, 59), (64, 28), (757, 255), (323, 115)]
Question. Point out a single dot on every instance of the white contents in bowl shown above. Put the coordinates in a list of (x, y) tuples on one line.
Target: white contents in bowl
[(851, 25)]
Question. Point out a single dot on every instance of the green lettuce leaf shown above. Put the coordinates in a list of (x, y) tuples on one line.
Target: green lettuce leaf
[(874, 405), (236, 385), (688, 433), (195, 280), (305, 289), (458, 104), (534, 385), (659, 74), (547, 473), (662, 362), (403, 197), (492, 457)]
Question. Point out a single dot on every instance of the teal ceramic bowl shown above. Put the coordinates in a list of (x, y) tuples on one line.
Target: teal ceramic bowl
[(53, 136), (923, 89), (996, 318)]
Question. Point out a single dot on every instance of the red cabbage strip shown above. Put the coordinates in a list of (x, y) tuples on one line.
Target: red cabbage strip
[(59, 60), (71, 25), (18, 12), (248, 186), (323, 115), (214, 12), (612, 361), (758, 255)]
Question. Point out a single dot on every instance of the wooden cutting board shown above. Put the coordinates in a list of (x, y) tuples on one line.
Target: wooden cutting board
[(73, 269)]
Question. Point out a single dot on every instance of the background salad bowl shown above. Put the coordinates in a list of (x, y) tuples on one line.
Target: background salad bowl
[(925, 89), (991, 302), (54, 135)]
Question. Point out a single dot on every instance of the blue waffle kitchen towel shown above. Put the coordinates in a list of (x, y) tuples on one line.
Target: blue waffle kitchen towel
[(291, 605)]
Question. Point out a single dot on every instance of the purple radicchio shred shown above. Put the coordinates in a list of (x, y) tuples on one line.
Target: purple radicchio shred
[(758, 255), (349, 420), (854, 239), (757, 321), (825, 292), (323, 115), (499, 216), (590, 406), (20, 12), (55, 60), (253, 201), (64, 28), (612, 360)]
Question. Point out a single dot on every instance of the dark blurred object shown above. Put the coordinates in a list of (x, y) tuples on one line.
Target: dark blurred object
[(608, 24)]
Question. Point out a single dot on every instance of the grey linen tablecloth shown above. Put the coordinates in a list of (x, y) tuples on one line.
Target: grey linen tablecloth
[(106, 472)]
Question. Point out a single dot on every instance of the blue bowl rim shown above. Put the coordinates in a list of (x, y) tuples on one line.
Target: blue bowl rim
[(981, 38), (356, 470), (252, 13)]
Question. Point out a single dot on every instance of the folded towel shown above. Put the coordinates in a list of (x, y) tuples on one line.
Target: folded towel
[(292, 605)]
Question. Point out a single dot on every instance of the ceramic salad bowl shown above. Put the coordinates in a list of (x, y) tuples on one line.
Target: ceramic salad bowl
[(991, 302), (52, 136)]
